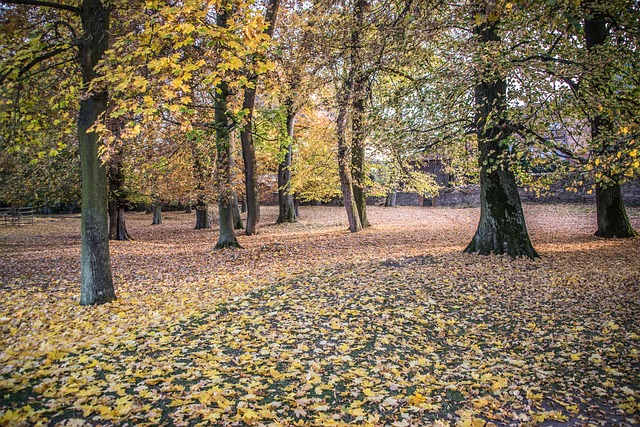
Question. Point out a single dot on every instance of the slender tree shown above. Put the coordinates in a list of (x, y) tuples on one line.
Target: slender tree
[(246, 137)]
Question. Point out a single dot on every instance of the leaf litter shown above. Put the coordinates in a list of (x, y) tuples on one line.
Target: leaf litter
[(311, 325)]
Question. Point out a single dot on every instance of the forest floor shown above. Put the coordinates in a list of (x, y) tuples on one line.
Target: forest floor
[(312, 325)]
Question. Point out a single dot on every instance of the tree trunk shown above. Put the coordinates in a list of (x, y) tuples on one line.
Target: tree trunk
[(611, 214), (235, 208), (95, 264), (246, 137), (285, 198), (357, 150), (117, 225), (250, 164), (345, 174), (188, 209), (391, 198), (227, 238), (502, 228), (156, 209), (202, 216)]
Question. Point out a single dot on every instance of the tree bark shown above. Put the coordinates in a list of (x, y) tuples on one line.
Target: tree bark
[(235, 207), (246, 136), (391, 198), (287, 211), (611, 214), (202, 216), (224, 174), (117, 224), (502, 228), (95, 265), (156, 209), (250, 164), (358, 150), (346, 184)]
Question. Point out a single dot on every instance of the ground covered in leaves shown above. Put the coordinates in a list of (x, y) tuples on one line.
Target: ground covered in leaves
[(311, 325)]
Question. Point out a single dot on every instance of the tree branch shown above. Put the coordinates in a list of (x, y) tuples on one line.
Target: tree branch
[(50, 4), (34, 62)]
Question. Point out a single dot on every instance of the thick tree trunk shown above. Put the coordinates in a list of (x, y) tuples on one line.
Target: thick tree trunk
[(357, 151), (95, 268), (502, 228), (611, 213), (188, 209), (117, 225), (287, 211), (156, 210), (202, 216)]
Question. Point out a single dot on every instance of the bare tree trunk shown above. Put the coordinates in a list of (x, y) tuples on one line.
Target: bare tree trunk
[(502, 228), (611, 213), (285, 198), (95, 265), (358, 150), (250, 165), (227, 237), (202, 216), (117, 224), (156, 209), (235, 208), (391, 198), (346, 184)]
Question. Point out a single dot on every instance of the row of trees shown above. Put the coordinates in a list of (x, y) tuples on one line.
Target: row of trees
[(190, 100)]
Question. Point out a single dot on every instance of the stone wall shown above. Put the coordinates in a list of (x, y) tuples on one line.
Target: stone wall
[(470, 195)]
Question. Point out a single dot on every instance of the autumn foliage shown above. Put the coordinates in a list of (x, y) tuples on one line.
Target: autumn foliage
[(312, 325)]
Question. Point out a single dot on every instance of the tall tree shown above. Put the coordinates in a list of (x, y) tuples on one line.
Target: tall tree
[(611, 214), (246, 137), (501, 229), (224, 172), (286, 211), (90, 45)]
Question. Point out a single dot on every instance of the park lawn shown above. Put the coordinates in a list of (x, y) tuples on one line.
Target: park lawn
[(312, 325)]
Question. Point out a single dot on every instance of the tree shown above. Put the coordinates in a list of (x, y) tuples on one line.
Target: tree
[(246, 137), (611, 214), (89, 46), (501, 229)]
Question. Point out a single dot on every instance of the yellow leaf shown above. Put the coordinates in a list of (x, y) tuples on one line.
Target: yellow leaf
[(416, 399)]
